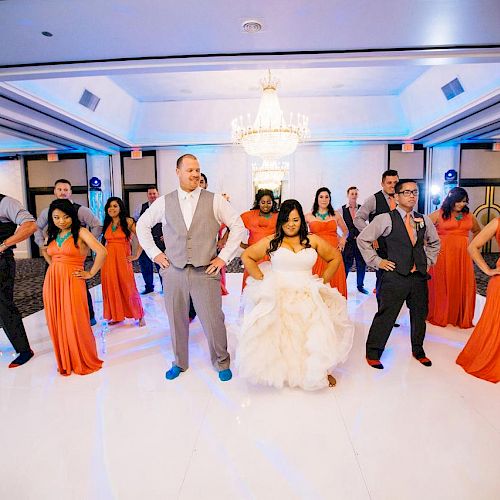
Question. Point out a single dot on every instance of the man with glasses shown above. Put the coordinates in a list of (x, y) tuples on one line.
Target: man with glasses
[(412, 246)]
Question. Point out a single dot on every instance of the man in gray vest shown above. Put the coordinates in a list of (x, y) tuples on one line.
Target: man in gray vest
[(16, 225), (191, 218), (63, 191)]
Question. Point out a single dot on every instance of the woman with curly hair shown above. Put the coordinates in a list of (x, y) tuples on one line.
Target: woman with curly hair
[(295, 326), (64, 290), (119, 292), (452, 287)]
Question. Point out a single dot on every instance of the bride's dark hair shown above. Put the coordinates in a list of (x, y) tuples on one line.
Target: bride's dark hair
[(286, 207)]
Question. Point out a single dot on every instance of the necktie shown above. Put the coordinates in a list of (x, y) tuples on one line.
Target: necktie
[(409, 229), (392, 203)]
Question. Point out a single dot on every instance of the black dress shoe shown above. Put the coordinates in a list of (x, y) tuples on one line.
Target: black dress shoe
[(145, 292), (396, 325), (423, 360), (375, 363), (23, 357), (362, 289)]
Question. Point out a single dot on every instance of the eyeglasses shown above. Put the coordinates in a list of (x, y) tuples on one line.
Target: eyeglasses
[(408, 192)]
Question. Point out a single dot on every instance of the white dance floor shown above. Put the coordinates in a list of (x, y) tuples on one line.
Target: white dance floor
[(406, 432)]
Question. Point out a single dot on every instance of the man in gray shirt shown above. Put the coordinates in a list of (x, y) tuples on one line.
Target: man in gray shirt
[(412, 246), (62, 191), (16, 225)]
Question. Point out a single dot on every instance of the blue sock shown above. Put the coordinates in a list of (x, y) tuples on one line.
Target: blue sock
[(174, 372), (225, 375)]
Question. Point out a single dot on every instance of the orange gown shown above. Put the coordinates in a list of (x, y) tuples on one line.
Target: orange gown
[(67, 311), (258, 227), (481, 355), (119, 293), (452, 287), (328, 231)]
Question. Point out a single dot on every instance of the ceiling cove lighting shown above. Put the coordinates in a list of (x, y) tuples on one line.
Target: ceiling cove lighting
[(270, 136)]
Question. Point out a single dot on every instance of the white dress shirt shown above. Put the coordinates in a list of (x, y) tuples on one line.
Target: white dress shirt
[(224, 214)]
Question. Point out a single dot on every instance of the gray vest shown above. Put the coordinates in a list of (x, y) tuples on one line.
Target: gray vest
[(198, 245)]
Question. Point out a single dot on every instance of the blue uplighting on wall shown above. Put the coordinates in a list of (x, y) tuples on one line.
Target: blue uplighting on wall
[(96, 201)]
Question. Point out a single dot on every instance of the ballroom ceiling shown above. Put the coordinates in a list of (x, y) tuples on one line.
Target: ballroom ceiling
[(157, 61)]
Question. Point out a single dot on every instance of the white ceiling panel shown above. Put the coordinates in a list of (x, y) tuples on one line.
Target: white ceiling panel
[(86, 30), (292, 83)]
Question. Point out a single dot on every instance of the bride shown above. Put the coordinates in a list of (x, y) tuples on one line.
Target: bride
[(295, 326)]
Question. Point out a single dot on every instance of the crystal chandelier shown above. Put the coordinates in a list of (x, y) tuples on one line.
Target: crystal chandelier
[(269, 174), (270, 136)]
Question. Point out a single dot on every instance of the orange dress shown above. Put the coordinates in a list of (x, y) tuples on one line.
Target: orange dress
[(67, 312), (119, 293), (328, 231), (258, 227), (452, 287), (481, 355)]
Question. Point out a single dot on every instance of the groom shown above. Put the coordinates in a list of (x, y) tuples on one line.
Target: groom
[(412, 247), (191, 219)]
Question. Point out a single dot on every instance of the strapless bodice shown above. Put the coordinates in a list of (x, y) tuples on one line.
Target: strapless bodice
[(284, 260)]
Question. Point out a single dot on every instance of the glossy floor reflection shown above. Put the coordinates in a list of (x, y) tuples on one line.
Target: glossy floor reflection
[(407, 432)]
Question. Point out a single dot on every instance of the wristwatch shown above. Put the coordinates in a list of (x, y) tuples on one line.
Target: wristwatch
[(3, 246)]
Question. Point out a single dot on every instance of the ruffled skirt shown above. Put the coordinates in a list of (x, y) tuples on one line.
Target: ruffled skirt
[(295, 330)]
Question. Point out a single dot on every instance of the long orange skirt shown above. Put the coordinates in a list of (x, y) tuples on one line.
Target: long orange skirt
[(67, 312), (452, 287), (481, 355), (119, 293)]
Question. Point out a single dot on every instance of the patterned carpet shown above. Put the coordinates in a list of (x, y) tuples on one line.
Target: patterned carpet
[(30, 274)]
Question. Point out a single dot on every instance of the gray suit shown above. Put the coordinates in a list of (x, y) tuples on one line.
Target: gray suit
[(190, 252)]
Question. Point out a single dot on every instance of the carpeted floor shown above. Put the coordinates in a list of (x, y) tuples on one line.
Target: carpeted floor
[(30, 274)]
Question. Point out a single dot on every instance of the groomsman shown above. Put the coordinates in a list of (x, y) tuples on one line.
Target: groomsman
[(351, 251), (411, 246), (191, 218), (379, 203), (63, 191), (145, 263), (16, 225)]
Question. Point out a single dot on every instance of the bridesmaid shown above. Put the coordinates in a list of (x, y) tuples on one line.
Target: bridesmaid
[(260, 221), (119, 293), (481, 355), (452, 287), (64, 290), (324, 221)]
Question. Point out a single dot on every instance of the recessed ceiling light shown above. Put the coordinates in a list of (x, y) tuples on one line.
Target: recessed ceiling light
[(47, 33), (251, 26)]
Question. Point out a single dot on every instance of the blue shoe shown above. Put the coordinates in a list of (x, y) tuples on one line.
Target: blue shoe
[(93, 322), (174, 372), (225, 375)]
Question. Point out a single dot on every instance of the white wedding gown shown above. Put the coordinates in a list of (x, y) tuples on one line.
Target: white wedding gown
[(295, 328)]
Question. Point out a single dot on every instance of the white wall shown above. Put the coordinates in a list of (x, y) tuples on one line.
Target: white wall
[(12, 183), (227, 168), (336, 166)]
